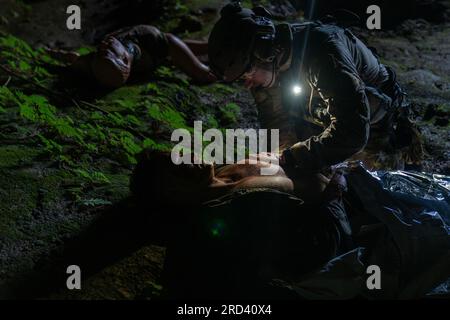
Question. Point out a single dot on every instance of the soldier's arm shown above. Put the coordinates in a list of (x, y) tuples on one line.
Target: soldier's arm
[(348, 131)]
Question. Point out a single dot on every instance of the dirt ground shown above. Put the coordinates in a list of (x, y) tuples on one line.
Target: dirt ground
[(76, 207)]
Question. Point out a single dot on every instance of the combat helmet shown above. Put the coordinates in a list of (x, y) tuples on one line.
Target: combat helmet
[(240, 37)]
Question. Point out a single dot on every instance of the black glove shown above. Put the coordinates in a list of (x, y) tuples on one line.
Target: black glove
[(336, 187), (287, 159)]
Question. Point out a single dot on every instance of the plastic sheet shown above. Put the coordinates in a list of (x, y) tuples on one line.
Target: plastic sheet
[(426, 186), (422, 192)]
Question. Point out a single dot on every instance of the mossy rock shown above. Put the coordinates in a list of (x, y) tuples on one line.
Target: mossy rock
[(18, 155)]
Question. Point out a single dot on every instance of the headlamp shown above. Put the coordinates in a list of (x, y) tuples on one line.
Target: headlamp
[(296, 90)]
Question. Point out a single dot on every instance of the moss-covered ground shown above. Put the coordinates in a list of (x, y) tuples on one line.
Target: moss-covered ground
[(67, 152)]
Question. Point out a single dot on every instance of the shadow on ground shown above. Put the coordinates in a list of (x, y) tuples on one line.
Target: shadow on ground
[(119, 246)]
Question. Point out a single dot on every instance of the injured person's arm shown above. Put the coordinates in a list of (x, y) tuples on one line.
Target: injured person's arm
[(184, 58)]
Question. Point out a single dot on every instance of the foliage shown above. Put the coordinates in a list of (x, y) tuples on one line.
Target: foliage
[(230, 113), (7, 98), (85, 50), (94, 177), (95, 202), (91, 143)]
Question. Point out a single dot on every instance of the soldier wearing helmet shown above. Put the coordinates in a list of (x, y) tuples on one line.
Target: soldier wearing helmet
[(360, 111)]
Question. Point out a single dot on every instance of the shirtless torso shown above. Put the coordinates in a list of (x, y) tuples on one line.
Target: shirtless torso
[(245, 175), (192, 184)]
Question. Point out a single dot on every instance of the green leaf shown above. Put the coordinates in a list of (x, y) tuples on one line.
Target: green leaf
[(117, 119), (85, 50), (230, 113), (129, 144), (7, 98), (151, 144), (99, 177), (28, 112), (171, 117), (50, 145), (16, 45), (92, 176), (126, 104), (24, 66), (95, 202), (67, 160), (153, 88), (164, 71), (133, 120)]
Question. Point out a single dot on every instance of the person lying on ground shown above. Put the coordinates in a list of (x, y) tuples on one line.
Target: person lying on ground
[(253, 229), (194, 184), (184, 197), (134, 52)]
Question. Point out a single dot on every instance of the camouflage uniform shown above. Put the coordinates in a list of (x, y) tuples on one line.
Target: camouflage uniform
[(361, 116)]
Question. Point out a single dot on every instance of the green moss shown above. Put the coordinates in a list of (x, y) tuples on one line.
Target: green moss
[(211, 122), (125, 98), (118, 188), (17, 155), (78, 160), (24, 60), (443, 108), (32, 207), (7, 97), (230, 113), (171, 117), (85, 50), (247, 3), (220, 89), (18, 195)]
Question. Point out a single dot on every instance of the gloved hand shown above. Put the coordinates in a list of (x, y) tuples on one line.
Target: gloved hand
[(336, 187), (291, 166), (287, 159)]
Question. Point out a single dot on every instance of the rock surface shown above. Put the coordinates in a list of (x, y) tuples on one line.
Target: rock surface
[(60, 196)]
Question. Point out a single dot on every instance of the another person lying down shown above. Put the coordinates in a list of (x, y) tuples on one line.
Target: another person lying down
[(134, 52), (292, 237), (158, 176), (253, 239)]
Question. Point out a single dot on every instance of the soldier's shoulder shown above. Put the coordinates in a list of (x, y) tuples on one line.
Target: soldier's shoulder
[(325, 30)]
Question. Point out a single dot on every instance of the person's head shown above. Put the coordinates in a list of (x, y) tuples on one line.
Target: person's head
[(158, 179), (111, 64), (242, 46)]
